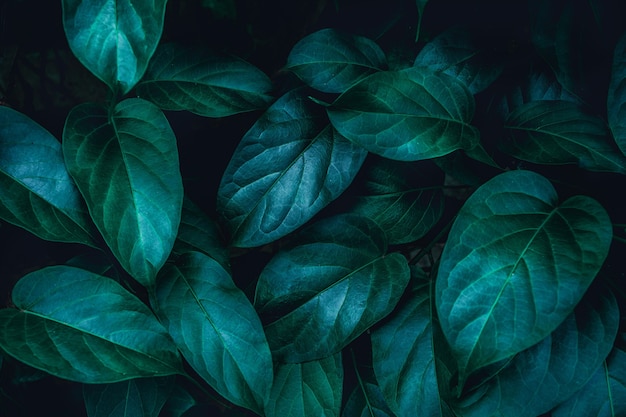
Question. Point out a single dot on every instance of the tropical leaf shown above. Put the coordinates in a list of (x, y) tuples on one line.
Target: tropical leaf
[(205, 83), (407, 115), (515, 265), (421, 5), (366, 400), (126, 167), (616, 100), (328, 288), (81, 326)]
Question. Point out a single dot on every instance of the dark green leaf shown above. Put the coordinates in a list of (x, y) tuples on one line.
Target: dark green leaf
[(136, 397), (126, 167), (616, 101), (561, 132), (366, 404), (333, 284), (516, 263), (307, 389), (114, 39), (84, 327), (36, 191), (332, 61), (288, 166), (407, 115), (421, 5), (212, 85), (216, 329), (179, 402)]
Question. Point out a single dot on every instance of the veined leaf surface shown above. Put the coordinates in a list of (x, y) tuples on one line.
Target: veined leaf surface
[(81, 326), (407, 115), (616, 101), (366, 400), (126, 167), (515, 265)]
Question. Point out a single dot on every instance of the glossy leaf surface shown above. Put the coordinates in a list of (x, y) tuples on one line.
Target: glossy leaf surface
[(114, 39), (216, 329), (334, 283), (407, 115), (126, 167), (331, 61), (616, 100), (516, 263), (81, 326), (287, 167), (212, 85)]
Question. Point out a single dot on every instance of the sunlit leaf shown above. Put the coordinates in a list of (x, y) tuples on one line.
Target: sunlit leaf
[(616, 100)]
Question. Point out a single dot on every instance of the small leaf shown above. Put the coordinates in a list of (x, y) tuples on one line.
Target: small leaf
[(84, 327), (421, 5), (216, 329), (288, 167), (36, 191), (307, 389), (126, 167), (114, 39), (135, 397), (515, 265), (616, 101), (331, 61), (366, 400), (407, 115), (333, 284), (561, 132), (212, 85)]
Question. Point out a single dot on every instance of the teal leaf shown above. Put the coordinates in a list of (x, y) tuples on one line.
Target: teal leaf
[(515, 265), (179, 402), (205, 83), (546, 374), (310, 389), (616, 100), (421, 5), (216, 329), (333, 284), (126, 167), (134, 397), (407, 115), (84, 327), (366, 400), (561, 132), (287, 167), (114, 39), (331, 61), (36, 191)]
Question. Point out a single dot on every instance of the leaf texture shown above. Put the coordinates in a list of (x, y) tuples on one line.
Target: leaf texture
[(366, 400)]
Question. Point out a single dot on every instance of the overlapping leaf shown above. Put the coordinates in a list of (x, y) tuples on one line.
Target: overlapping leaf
[(36, 191), (216, 329), (515, 265), (288, 166), (407, 115), (114, 39), (126, 167), (81, 326), (616, 100), (366, 400), (212, 85), (334, 283)]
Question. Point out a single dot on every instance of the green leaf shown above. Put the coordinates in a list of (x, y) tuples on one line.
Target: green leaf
[(541, 377), (516, 263), (616, 100), (205, 83), (114, 39), (404, 198), (179, 402), (421, 5), (126, 167), (135, 397), (287, 167), (81, 326), (333, 284), (366, 400), (561, 132), (407, 115), (331, 61), (36, 191), (307, 389), (216, 329)]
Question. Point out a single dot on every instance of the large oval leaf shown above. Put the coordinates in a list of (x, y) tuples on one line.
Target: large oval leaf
[(189, 78), (216, 329), (114, 39), (515, 265), (331, 61), (36, 191), (407, 115), (84, 327), (288, 166), (334, 283), (126, 167), (616, 99)]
